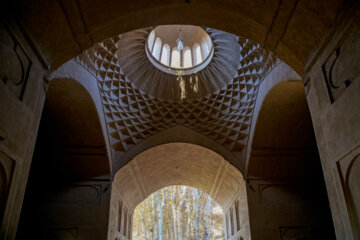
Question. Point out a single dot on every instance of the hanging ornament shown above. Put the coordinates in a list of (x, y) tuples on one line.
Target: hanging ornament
[(180, 41)]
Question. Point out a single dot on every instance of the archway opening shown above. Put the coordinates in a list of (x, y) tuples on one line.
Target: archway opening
[(179, 164), (178, 212)]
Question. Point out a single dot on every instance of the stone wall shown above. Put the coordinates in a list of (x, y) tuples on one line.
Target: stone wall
[(332, 83), (288, 210), (236, 217), (72, 210), (22, 94), (120, 218)]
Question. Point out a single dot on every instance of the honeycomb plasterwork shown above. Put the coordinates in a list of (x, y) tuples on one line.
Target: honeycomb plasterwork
[(133, 115)]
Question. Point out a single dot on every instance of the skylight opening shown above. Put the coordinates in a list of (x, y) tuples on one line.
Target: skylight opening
[(175, 47)]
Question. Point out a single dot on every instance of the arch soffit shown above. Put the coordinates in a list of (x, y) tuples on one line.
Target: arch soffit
[(178, 134), (280, 74), (283, 145), (76, 81), (178, 164), (72, 70), (101, 21), (67, 98)]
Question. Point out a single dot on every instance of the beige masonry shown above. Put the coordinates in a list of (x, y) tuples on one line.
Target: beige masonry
[(75, 160)]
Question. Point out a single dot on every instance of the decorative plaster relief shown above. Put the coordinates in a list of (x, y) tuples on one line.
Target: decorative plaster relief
[(295, 233), (75, 195), (15, 64), (133, 115), (6, 172), (353, 187), (340, 70), (62, 234), (3, 134), (284, 193), (349, 171)]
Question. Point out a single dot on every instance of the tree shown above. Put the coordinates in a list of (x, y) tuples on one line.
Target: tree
[(178, 213)]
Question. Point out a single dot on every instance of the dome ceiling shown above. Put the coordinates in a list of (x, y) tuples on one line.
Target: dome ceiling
[(135, 64), (133, 115)]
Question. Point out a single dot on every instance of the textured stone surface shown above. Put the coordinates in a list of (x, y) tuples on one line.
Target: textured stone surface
[(302, 33), (133, 115), (178, 164), (228, 59)]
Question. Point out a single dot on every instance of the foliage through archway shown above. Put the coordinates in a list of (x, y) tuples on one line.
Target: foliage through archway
[(178, 212)]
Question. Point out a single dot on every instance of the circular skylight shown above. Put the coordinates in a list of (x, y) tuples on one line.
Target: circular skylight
[(179, 48)]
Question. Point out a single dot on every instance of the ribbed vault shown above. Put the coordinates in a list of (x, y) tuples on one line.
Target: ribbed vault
[(178, 164), (133, 115)]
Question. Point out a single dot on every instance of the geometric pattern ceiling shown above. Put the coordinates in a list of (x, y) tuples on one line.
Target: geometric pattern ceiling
[(132, 115)]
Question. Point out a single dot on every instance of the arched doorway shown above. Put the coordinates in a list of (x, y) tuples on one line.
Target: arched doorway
[(178, 212), (180, 164)]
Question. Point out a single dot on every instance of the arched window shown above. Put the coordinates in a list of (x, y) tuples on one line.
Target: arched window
[(157, 48), (237, 215), (165, 55), (198, 54), (209, 42), (151, 41), (125, 222), (187, 57), (204, 48), (119, 215), (175, 58)]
